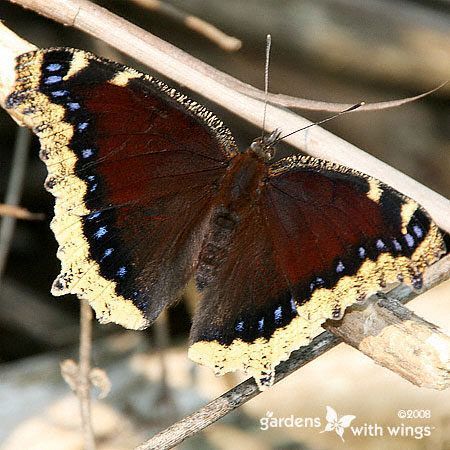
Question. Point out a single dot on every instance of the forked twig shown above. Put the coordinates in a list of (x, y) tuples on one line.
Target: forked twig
[(225, 42)]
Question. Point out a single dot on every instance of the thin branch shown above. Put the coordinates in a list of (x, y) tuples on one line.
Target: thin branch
[(161, 335), (289, 101), (225, 42), (83, 388), (355, 329), (217, 86), (13, 193), (18, 212)]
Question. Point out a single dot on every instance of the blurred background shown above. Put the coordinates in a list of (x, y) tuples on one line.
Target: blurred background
[(329, 50)]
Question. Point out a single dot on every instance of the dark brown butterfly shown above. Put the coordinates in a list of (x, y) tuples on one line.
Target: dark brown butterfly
[(151, 191)]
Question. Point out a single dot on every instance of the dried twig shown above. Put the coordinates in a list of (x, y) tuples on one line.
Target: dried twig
[(17, 212), (83, 388), (217, 86), (80, 377), (430, 351), (225, 42), (13, 193), (161, 336)]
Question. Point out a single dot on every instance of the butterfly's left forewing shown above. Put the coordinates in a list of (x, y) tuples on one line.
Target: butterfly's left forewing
[(133, 165)]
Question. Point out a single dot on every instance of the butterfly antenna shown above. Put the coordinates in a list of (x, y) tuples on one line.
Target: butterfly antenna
[(266, 82), (352, 108)]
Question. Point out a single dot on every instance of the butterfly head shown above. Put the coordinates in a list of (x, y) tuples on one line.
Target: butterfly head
[(264, 146)]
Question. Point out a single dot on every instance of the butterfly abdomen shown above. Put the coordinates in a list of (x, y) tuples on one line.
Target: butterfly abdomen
[(237, 196)]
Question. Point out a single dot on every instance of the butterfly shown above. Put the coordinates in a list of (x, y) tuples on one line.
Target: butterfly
[(152, 192), (336, 423)]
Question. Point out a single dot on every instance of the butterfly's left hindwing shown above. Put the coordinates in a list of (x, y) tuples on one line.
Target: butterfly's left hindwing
[(124, 153)]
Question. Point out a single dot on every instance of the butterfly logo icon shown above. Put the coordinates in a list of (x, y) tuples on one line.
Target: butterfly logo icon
[(338, 424)]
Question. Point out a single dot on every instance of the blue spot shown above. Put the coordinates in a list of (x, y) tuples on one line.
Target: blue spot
[(397, 245), (100, 232), (54, 67), (60, 93), (261, 324), (135, 294), (93, 215), (278, 314), (319, 282), (340, 267), (121, 272), (418, 231), (108, 252), (380, 245), (409, 240), (362, 252), (293, 305), (52, 79), (87, 152), (239, 327), (82, 126), (73, 106), (94, 186)]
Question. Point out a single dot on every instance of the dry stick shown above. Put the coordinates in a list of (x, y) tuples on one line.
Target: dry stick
[(225, 42), (217, 86), (19, 213), (161, 330), (83, 388), (14, 192), (429, 352)]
